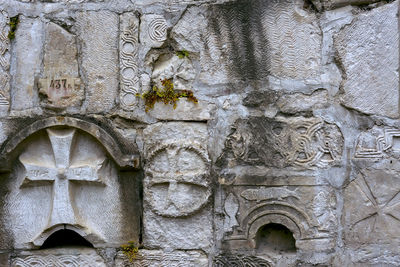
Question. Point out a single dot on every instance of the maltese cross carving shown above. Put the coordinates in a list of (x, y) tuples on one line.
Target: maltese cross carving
[(60, 170)]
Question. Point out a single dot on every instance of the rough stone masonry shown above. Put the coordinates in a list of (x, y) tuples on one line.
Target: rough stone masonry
[(288, 153)]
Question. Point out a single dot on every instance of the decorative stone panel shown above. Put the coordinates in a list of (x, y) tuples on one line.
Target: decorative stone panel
[(157, 258), (59, 257), (63, 178), (280, 142), (177, 186)]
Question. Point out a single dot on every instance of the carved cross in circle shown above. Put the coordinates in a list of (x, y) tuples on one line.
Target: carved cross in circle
[(60, 170), (179, 184)]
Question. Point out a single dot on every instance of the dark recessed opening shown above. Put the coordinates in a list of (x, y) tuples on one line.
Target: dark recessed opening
[(275, 237), (65, 238)]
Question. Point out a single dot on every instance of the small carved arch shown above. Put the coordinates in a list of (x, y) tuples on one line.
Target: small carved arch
[(92, 238), (128, 160), (63, 238), (279, 213)]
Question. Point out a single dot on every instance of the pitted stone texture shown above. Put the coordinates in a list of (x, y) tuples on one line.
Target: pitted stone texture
[(368, 50), (5, 65), (64, 179), (261, 38), (282, 142), (157, 258), (26, 62), (177, 186), (59, 257), (98, 32), (60, 84)]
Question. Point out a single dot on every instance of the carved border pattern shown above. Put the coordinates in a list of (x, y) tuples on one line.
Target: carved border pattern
[(58, 261), (383, 143), (128, 65), (4, 62), (240, 261)]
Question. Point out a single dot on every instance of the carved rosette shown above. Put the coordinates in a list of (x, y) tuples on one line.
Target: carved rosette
[(129, 48), (177, 181)]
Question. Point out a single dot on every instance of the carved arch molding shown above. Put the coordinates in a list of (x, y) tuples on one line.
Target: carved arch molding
[(65, 173)]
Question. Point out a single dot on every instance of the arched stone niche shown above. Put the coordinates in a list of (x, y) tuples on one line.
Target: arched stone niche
[(68, 174), (246, 237)]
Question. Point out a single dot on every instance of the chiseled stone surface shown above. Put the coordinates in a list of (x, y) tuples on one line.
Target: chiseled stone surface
[(26, 62), (289, 158), (368, 50), (98, 33)]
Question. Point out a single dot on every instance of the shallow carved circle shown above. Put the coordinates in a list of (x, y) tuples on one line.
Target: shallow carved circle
[(177, 183)]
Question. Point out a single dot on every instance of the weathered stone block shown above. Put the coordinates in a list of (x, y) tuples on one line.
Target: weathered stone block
[(60, 85), (26, 62), (177, 186), (159, 258), (98, 33), (371, 208), (368, 51)]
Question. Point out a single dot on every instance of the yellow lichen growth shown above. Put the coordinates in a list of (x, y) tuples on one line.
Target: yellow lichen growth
[(130, 250), (167, 95)]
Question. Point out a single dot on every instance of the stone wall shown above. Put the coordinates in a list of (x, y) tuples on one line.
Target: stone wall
[(287, 157)]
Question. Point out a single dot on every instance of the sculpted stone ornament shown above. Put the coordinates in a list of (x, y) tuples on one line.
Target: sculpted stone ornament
[(372, 208), (280, 142), (60, 174), (63, 179), (129, 44), (377, 143), (158, 258), (178, 184)]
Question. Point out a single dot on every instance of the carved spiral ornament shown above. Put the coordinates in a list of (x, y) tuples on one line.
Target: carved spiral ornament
[(158, 29)]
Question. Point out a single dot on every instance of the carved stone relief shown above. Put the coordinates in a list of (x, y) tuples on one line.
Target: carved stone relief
[(239, 261), (64, 179), (60, 85), (156, 258), (129, 49), (301, 142), (377, 143), (59, 257), (176, 186), (154, 30), (5, 64), (308, 211), (372, 207), (177, 183)]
